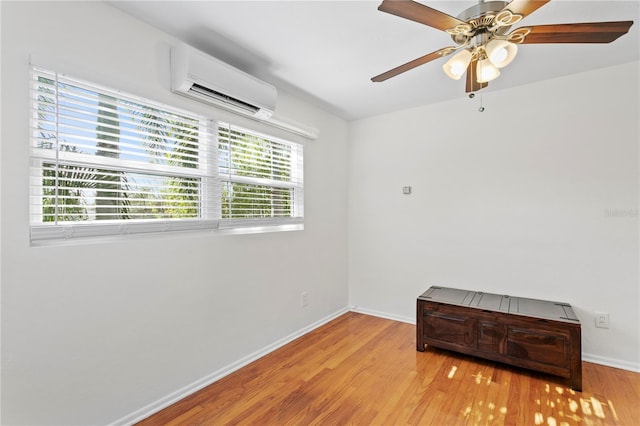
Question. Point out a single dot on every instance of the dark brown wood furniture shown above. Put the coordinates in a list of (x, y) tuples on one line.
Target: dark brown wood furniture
[(536, 334)]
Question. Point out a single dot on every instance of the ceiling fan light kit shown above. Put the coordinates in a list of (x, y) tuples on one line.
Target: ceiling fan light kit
[(486, 71), (457, 65), (501, 52), (484, 43)]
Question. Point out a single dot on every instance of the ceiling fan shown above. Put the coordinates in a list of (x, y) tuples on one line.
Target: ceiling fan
[(484, 42)]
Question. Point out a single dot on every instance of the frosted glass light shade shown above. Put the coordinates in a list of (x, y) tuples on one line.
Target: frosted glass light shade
[(486, 71), (457, 65), (501, 52)]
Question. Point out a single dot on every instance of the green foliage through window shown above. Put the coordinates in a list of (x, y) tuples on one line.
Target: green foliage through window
[(261, 175), (103, 162), (113, 158)]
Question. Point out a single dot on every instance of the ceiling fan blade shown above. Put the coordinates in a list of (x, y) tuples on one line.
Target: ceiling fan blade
[(594, 32), (472, 78), (417, 12), (412, 64), (525, 7)]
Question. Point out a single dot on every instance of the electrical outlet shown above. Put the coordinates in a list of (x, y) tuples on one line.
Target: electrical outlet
[(602, 319), (304, 299)]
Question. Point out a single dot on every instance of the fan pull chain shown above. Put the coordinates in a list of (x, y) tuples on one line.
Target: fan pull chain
[(473, 95)]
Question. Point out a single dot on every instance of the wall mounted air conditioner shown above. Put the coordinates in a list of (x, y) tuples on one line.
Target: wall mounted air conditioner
[(198, 75)]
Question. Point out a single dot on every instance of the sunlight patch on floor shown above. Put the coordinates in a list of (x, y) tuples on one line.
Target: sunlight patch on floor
[(558, 406), (452, 372)]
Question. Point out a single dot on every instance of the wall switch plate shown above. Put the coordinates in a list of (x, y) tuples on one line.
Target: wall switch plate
[(602, 319), (304, 299), (406, 190)]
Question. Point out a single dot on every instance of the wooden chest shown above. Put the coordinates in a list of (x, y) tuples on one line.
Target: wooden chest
[(536, 334)]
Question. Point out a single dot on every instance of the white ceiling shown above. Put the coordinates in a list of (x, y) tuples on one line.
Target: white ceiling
[(327, 51)]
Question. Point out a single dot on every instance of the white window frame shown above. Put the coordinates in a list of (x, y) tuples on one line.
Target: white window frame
[(295, 183), (208, 173)]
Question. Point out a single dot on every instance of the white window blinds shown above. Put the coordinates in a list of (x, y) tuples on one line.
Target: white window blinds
[(106, 163), (103, 163), (262, 178)]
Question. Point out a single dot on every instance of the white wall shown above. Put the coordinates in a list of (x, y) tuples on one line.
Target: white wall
[(94, 332), (535, 197)]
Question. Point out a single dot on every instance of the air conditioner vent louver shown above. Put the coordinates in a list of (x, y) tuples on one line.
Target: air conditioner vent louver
[(204, 91)]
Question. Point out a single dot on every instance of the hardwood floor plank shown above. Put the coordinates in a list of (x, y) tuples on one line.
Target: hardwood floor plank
[(363, 370), (187, 416)]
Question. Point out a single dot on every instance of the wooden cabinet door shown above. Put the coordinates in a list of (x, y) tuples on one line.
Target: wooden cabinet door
[(538, 346), (449, 328)]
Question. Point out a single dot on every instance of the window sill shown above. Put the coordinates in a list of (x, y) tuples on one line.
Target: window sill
[(260, 229), (44, 235)]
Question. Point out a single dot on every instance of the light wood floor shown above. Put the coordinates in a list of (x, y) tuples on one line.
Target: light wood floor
[(363, 370)]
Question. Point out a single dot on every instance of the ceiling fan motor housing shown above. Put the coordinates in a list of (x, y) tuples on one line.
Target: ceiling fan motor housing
[(481, 9), (480, 17)]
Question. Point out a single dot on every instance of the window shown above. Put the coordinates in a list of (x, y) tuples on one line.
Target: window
[(105, 163), (261, 177)]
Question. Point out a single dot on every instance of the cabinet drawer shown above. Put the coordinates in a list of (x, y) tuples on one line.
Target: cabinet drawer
[(539, 346)]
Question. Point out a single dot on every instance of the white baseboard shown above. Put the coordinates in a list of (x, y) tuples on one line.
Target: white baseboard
[(611, 362), (176, 396), (382, 315)]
